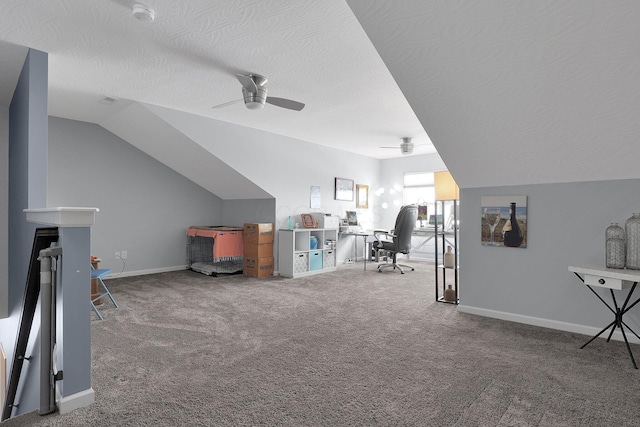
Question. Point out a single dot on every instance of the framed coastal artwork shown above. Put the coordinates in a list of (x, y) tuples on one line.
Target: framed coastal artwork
[(504, 221)]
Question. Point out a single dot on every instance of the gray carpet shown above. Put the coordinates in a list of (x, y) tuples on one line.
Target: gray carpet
[(349, 348)]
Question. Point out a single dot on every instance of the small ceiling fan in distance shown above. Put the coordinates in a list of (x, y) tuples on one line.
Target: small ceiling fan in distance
[(406, 146), (254, 94)]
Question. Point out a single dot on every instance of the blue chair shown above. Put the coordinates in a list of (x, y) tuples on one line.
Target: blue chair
[(97, 274)]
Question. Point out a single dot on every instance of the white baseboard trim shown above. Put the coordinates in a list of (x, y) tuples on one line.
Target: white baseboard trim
[(77, 400), (143, 272), (546, 323)]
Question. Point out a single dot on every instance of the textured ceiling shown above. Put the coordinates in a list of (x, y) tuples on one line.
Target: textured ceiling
[(510, 92), (313, 52), (518, 92)]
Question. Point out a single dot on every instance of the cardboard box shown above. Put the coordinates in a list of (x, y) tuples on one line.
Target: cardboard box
[(252, 250), (258, 233), (258, 267)]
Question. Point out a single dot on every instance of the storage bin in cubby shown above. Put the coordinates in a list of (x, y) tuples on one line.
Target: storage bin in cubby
[(315, 260), (329, 258), (300, 262)]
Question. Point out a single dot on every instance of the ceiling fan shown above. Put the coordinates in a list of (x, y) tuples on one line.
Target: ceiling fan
[(406, 146), (254, 94)]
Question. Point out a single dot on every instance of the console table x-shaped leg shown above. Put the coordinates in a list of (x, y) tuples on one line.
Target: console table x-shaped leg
[(618, 312)]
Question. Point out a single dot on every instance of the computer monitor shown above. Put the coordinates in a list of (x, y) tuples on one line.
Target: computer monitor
[(352, 218), (432, 219)]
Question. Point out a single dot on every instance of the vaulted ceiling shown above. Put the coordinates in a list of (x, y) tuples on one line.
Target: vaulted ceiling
[(518, 92), (187, 57), (510, 92)]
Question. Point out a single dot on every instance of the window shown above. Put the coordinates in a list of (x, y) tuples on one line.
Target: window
[(419, 190)]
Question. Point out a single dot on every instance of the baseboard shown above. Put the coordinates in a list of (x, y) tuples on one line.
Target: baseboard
[(143, 272), (75, 401), (544, 323)]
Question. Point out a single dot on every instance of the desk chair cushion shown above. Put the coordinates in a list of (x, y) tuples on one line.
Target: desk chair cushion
[(97, 273)]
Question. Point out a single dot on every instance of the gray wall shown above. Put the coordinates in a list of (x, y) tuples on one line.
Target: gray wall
[(27, 174), (121, 175), (238, 212), (145, 207), (566, 225), (284, 167), (4, 213)]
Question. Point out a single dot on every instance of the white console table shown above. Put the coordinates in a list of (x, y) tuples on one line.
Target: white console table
[(613, 279)]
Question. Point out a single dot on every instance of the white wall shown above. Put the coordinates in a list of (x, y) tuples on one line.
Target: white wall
[(566, 226), (392, 175)]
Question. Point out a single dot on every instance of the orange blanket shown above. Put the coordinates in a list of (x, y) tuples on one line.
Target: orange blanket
[(227, 244)]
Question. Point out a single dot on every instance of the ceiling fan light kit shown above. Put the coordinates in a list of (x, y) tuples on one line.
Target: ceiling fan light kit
[(255, 101), (406, 146), (254, 94), (143, 13)]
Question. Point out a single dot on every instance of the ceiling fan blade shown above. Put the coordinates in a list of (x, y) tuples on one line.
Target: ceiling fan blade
[(285, 103), (226, 104), (247, 83)]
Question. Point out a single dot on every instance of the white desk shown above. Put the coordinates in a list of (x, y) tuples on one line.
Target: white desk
[(611, 278), (364, 234), (428, 234)]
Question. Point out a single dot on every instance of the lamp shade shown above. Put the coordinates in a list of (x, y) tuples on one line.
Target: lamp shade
[(445, 186)]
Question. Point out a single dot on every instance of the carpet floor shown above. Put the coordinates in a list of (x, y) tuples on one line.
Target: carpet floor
[(347, 348)]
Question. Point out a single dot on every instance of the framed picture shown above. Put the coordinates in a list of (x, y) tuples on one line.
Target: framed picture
[(362, 196), (504, 221), (308, 221), (344, 189)]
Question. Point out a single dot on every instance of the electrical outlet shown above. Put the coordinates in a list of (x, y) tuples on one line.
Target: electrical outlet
[(124, 254), (117, 255)]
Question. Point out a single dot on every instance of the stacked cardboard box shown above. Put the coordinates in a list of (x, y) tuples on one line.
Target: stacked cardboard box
[(258, 249)]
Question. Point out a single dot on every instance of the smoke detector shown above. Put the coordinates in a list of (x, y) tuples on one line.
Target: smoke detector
[(143, 13)]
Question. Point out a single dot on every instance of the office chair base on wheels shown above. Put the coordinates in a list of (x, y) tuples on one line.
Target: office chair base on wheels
[(97, 275), (395, 265)]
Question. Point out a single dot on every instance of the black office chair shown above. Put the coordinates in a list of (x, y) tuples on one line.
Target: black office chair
[(398, 241)]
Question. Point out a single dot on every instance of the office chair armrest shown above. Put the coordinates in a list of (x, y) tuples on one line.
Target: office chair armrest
[(383, 235)]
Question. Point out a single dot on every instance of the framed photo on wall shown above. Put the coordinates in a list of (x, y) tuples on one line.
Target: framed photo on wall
[(362, 196), (504, 221), (344, 189)]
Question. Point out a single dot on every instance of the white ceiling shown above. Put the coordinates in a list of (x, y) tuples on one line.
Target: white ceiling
[(510, 92), (186, 59)]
